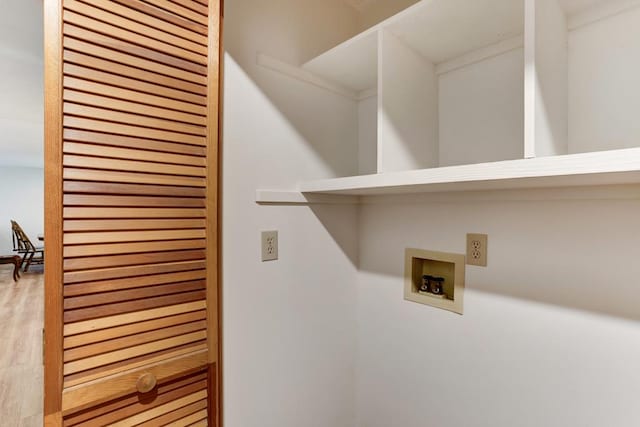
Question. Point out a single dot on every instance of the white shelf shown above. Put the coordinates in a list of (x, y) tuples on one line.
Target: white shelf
[(487, 95), (352, 64), (601, 168), (441, 30), (426, 27)]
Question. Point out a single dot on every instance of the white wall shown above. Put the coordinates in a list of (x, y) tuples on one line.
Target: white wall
[(22, 199), (21, 83), (550, 334), (604, 96), (481, 111), (288, 325)]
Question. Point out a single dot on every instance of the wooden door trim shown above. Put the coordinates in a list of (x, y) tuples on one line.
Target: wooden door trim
[(53, 271), (214, 108)]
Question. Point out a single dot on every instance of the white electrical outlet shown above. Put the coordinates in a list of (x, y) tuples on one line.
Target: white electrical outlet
[(477, 249), (269, 245)]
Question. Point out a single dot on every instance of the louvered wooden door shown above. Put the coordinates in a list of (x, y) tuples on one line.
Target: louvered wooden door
[(131, 212)]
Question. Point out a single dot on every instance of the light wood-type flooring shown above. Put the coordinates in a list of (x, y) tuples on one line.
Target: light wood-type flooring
[(21, 322)]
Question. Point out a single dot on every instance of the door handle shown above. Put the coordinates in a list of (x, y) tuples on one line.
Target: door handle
[(146, 382)]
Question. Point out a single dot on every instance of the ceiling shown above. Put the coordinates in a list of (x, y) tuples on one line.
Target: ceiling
[(21, 83)]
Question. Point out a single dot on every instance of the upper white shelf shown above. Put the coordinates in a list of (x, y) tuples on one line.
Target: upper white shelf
[(447, 32), (440, 31), (598, 168), (465, 86), (352, 64)]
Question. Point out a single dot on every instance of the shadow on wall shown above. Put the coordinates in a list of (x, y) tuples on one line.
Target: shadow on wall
[(338, 221), (333, 220), (576, 254)]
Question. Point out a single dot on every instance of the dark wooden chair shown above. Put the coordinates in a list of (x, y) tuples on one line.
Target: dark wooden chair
[(16, 261), (31, 254)]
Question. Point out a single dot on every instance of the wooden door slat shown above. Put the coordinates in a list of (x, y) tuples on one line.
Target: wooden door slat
[(78, 174), (148, 145), (202, 9), (179, 10), (132, 248), (180, 416), (116, 369), (105, 53), (135, 407), (182, 130), (135, 51), (125, 342), (117, 33), (104, 102), (131, 294), (87, 288), (147, 19), (118, 355), (104, 311), (115, 74), (75, 212), (82, 238), (81, 161), (131, 329), (120, 272), (110, 261), (131, 224), (73, 328), (161, 410), (164, 15), (132, 201), (74, 187), (108, 310), (128, 130), (136, 27), (138, 407), (132, 154)]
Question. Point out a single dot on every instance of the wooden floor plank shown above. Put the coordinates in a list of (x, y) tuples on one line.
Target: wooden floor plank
[(21, 375)]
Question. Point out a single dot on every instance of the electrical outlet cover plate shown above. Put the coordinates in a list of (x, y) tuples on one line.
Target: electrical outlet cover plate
[(477, 249), (269, 245)]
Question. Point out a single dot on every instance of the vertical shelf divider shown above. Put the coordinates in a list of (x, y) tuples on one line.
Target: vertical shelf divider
[(546, 79), (407, 107)]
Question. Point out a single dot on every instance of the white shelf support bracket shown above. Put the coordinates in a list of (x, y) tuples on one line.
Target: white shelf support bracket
[(279, 197), (303, 75)]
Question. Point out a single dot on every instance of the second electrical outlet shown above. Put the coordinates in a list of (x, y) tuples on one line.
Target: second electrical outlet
[(477, 249), (269, 245)]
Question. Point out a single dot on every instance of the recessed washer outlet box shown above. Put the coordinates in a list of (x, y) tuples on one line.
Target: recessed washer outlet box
[(435, 279)]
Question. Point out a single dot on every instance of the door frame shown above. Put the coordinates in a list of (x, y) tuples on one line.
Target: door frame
[(53, 272), (53, 204)]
